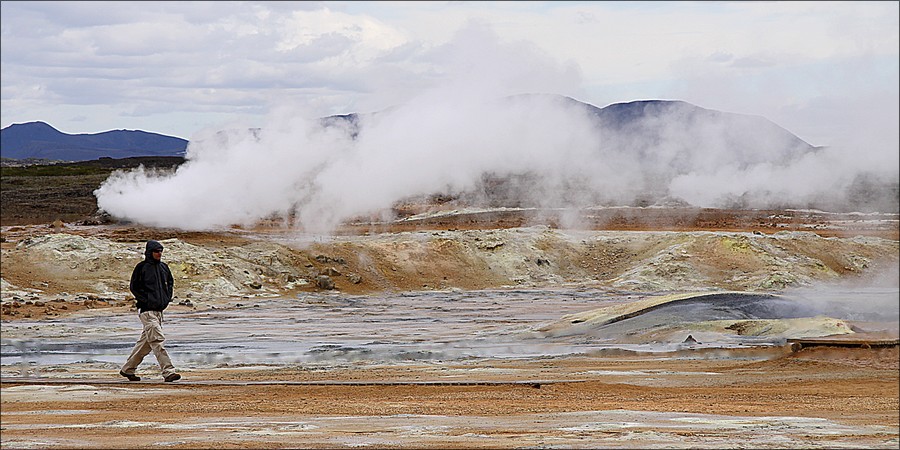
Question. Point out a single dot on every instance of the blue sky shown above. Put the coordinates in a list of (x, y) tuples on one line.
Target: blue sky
[(826, 71)]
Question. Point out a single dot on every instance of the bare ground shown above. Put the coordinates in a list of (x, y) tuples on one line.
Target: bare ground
[(815, 398), (760, 398)]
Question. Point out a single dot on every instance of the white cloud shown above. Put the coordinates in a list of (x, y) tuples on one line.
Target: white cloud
[(826, 71), (368, 37), (342, 56)]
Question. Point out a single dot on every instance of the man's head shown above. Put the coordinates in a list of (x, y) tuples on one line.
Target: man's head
[(154, 250)]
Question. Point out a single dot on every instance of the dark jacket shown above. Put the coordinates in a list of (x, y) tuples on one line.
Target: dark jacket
[(152, 282)]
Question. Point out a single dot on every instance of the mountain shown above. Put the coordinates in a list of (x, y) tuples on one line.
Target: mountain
[(651, 152), (666, 138), (648, 126), (40, 140), (632, 117), (645, 128)]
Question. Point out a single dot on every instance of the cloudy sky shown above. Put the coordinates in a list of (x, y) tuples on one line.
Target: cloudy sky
[(212, 71), (822, 70)]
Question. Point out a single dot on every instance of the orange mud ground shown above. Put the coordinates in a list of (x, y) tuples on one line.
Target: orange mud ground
[(771, 398)]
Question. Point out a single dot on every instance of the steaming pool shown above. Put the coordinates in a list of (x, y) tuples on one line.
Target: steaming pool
[(329, 329)]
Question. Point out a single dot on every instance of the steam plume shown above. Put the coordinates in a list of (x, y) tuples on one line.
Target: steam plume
[(449, 138)]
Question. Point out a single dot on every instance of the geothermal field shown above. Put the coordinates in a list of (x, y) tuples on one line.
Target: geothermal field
[(650, 328), (649, 274), (452, 225)]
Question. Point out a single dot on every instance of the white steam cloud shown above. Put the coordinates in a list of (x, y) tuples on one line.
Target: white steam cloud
[(872, 298), (323, 175), (449, 138)]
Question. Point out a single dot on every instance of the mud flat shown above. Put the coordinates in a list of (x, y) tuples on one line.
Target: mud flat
[(811, 399), (457, 369), (455, 338)]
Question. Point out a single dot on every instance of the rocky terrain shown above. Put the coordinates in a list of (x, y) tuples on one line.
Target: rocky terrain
[(54, 266), (68, 280)]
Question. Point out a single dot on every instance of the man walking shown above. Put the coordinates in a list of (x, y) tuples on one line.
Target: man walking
[(151, 284)]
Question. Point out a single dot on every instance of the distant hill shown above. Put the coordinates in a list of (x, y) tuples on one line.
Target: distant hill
[(667, 138), (645, 128), (41, 141), (632, 117)]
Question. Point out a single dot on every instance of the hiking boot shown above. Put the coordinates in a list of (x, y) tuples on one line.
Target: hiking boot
[(172, 377), (130, 376)]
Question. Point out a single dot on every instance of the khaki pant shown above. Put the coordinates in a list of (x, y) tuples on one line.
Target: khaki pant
[(151, 339)]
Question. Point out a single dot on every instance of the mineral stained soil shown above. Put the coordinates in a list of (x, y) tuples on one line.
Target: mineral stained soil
[(453, 366)]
